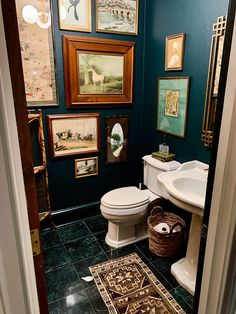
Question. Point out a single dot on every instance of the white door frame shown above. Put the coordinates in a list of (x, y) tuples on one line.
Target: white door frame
[(222, 221), (18, 292)]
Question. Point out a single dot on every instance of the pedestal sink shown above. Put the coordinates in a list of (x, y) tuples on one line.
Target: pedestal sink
[(186, 188)]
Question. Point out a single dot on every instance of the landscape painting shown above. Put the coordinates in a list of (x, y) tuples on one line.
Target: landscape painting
[(117, 139), (86, 167), (100, 73), (73, 134), (117, 16)]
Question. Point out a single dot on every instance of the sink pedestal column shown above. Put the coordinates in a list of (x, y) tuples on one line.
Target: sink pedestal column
[(185, 270)]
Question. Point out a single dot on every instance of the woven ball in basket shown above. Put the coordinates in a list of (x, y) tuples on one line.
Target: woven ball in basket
[(165, 244)]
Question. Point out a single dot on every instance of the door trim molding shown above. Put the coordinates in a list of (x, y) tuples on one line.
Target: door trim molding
[(215, 279)]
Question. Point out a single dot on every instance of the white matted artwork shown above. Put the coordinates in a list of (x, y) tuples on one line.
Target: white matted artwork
[(117, 16), (34, 22), (86, 167), (75, 15)]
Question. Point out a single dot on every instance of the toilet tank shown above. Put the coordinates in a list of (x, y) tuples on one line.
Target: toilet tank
[(152, 167)]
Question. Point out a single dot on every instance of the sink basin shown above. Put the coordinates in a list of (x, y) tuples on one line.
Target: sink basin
[(186, 187)]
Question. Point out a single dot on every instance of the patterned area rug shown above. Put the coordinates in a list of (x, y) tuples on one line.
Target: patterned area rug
[(127, 286)]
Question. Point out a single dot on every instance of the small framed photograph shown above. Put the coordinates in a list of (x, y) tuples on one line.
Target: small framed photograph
[(119, 17), (116, 139), (174, 54), (172, 105), (97, 72), (73, 134), (86, 167), (75, 15)]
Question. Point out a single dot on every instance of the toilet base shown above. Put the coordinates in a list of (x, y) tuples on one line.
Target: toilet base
[(120, 235), (122, 243)]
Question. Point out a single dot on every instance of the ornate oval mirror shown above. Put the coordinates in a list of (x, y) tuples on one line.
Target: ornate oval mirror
[(117, 139), (214, 68)]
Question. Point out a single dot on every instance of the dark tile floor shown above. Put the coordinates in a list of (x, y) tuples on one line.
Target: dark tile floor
[(72, 248)]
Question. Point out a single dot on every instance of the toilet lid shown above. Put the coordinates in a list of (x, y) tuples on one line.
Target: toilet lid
[(126, 197)]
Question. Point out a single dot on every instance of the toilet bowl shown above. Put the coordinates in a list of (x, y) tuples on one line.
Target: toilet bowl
[(126, 208)]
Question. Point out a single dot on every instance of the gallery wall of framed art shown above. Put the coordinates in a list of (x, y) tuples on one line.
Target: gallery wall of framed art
[(106, 76)]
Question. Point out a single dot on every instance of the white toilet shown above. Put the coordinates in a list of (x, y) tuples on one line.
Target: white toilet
[(126, 208)]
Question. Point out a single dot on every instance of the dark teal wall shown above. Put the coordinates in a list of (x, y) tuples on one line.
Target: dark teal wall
[(195, 18), (65, 191), (157, 19)]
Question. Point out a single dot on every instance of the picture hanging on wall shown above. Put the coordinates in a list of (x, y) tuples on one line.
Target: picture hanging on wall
[(174, 54), (75, 15), (116, 139), (73, 134), (98, 72), (86, 167), (117, 16), (35, 33), (172, 105)]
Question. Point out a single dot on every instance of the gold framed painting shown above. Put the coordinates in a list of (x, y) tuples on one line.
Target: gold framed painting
[(73, 134), (86, 167), (174, 52), (98, 72), (120, 17), (75, 15)]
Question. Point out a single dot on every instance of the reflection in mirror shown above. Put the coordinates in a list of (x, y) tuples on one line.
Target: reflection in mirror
[(117, 139), (214, 68)]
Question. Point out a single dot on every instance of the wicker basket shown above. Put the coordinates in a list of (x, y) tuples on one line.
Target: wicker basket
[(166, 245)]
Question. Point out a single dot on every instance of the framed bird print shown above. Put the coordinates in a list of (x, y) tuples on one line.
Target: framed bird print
[(75, 15)]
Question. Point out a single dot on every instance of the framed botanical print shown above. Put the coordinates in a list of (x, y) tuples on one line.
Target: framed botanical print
[(116, 139), (98, 72), (117, 17), (174, 54), (73, 134), (86, 167), (75, 15), (172, 105)]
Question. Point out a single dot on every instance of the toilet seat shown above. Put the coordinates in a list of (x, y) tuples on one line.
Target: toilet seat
[(125, 201), (127, 197)]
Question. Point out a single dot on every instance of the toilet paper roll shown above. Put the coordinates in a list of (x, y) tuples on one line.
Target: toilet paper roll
[(162, 228)]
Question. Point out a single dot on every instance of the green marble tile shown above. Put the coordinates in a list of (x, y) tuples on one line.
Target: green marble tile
[(163, 265), (159, 276), (82, 267), (75, 303), (73, 231), (181, 295), (55, 256), (83, 248), (62, 282), (50, 238), (96, 300), (96, 224)]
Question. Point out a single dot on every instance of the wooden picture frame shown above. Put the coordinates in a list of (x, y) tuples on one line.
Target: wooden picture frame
[(98, 72), (86, 167), (122, 19), (73, 134), (172, 105), (75, 17), (116, 139), (174, 52)]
